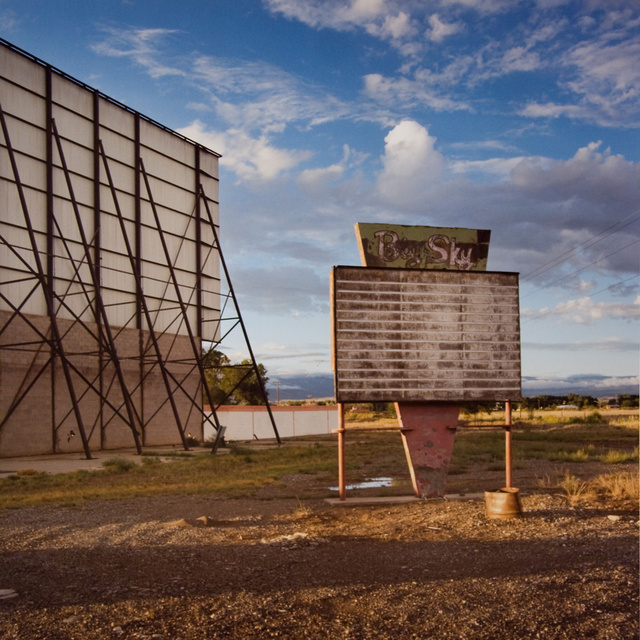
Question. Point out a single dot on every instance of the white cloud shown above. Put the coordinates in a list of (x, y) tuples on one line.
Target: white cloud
[(538, 207), (590, 175), (440, 30), (604, 77), (396, 27), (612, 344), (481, 6), (499, 167), (607, 76), (336, 14), (553, 110), (592, 383), (8, 20), (520, 59), (585, 311), (406, 92), (198, 106), (376, 17), (251, 159), (282, 289), (314, 179), (141, 45), (259, 95), (410, 162)]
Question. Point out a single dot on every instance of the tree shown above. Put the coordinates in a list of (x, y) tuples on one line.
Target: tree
[(233, 383), (627, 400), (215, 364)]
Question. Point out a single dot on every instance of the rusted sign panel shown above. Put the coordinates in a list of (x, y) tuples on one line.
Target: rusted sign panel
[(423, 335), (408, 247)]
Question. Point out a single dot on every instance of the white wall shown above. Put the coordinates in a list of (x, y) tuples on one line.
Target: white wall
[(251, 422)]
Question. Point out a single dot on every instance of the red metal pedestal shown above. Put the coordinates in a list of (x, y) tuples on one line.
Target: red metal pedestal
[(428, 431)]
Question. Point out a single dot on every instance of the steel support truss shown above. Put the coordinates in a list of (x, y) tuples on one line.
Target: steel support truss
[(73, 331)]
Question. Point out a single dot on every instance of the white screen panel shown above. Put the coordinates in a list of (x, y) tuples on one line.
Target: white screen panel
[(174, 166)]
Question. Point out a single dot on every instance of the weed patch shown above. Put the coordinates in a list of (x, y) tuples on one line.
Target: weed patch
[(576, 490), (610, 486), (119, 465), (619, 457)]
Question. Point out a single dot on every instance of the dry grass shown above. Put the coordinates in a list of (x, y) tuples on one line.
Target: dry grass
[(576, 491), (618, 486), (617, 417), (619, 457), (610, 486), (246, 470)]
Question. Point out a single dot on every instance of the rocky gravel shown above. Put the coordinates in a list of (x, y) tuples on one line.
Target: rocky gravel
[(192, 568)]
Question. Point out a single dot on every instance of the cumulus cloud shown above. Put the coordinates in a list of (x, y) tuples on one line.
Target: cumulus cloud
[(548, 206), (410, 162), (251, 159), (591, 175)]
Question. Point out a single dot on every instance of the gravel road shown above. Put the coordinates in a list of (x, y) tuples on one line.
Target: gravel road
[(192, 568)]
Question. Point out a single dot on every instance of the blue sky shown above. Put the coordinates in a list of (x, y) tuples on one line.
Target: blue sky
[(522, 117)]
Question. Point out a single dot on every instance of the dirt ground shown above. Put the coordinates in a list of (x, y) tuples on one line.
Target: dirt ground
[(192, 568)]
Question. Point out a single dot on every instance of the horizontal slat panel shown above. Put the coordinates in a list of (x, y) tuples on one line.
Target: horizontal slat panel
[(415, 335)]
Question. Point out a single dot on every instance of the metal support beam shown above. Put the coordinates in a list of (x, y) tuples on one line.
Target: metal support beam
[(135, 268), (56, 343), (105, 335)]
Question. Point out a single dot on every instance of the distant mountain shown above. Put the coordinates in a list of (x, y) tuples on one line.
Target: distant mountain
[(303, 387)]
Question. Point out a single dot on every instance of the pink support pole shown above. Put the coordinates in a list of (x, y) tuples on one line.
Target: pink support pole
[(428, 431)]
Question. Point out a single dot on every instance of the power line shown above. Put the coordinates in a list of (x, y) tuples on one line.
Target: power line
[(614, 228), (573, 273), (592, 295)]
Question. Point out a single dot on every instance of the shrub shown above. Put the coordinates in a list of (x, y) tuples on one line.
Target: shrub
[(119, 465), (619, 457)]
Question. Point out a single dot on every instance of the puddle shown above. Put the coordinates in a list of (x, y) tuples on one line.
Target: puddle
[(372, 483)]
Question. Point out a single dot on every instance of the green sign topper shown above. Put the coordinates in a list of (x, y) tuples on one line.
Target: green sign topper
[(407, 247)]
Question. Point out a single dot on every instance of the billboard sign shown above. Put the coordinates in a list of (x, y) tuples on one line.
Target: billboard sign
[(409, 247), (410, 335)]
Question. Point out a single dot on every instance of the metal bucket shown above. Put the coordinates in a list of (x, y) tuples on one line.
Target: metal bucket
[(503, 504)]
